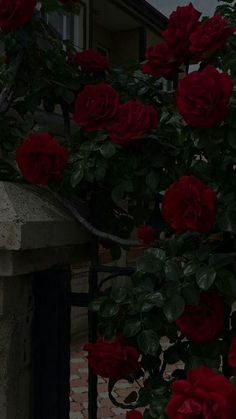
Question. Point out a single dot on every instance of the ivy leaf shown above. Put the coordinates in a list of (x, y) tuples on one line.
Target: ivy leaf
[(205, 277), (174, 308), (148, 342)]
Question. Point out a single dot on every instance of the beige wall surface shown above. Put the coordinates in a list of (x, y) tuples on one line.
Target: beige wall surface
[(125, 46), (122, 46), (153, 38)]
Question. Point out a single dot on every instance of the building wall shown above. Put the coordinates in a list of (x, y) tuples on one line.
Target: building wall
[(125, 46), (153, 38), (102, 37), (122, 46)]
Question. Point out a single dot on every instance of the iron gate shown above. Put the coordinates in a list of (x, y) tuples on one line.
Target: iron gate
[(51, 338)]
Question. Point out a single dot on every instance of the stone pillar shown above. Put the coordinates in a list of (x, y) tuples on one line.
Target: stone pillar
[(38, 241), (16, 314)]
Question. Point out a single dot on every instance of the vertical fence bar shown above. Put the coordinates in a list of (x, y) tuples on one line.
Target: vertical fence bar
[(51, 344), (92, 325)]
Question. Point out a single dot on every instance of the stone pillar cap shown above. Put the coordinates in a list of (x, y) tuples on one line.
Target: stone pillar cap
[(30, 218)]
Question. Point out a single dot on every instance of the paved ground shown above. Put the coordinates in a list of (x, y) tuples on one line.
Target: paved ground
[(79, 395)]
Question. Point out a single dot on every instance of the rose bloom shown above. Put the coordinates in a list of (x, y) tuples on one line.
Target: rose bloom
[(204, 395), (210, 36), (41, 159), (15, 13), (203, 97), (132, 121), (96, 107), (232, 354), (134, 414), (112, 359), (189, 204), (90, 61), (203, 323), (146, 234), (160, 62), (182, 23)]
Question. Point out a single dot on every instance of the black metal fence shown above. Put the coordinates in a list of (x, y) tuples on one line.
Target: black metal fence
[(51, 338)]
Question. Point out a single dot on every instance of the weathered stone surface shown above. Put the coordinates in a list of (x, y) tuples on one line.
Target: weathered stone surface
[(36, 234), (15, 343), (31, 219)]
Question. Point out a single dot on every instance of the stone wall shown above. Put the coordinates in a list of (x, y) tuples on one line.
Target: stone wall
[(16, 313)]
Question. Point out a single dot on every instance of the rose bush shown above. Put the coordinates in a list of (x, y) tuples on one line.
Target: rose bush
[(203, 322), (96, 107), (90, 61), (161, 162), (204, 394), (112, 359), (203, 97), (41, 159), (15, 13), (189, 205)]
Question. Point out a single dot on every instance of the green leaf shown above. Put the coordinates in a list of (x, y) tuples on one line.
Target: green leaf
[(132, 327), (77, 175), (152, 261), (119, 294), (148, 342), (226, 283), (191, 293), (108, 149), (152, 180), (174, 308), (109, 308), (150, 301), (191, 268), (205, 277), (227, 219), (221, 260), (172, 270), (232, 138), (233, 382)]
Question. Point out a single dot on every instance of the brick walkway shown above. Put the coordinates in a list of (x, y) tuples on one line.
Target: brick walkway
[(79, 390)]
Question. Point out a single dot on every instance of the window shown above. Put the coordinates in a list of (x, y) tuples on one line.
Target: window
[(69, 26), (64, 24)]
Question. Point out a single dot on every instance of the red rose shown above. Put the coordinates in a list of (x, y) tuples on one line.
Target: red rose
[(204, 395), (132, 121), (232, 354), (112, 359), (182, 23), (189, 204), (41, 159), (96, 107), (161, 62), (203, 97), (90, 61), (211, 35), (15, 13), (203, 322), (134, 414), (146, 234)]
